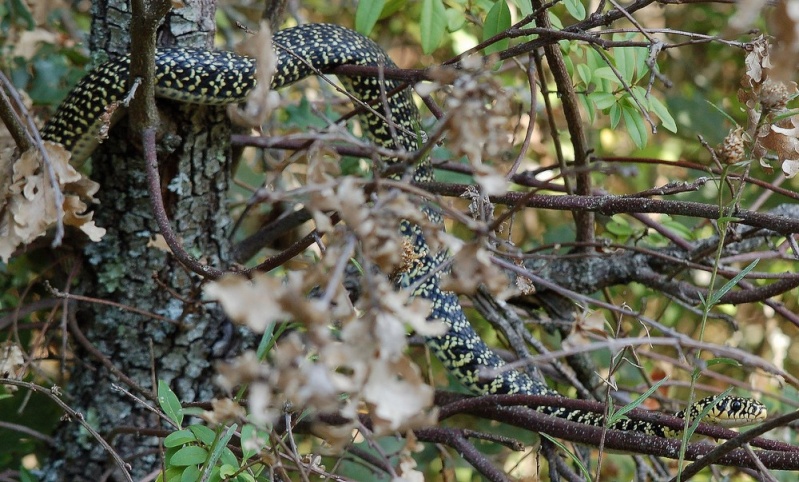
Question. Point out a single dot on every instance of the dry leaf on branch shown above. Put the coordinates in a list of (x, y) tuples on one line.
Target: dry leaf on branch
[(29, 207)]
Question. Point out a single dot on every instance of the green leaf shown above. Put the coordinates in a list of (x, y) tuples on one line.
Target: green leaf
[(568, 452), (169, 403), (245, 477), (367, 15), (723, 361), (219, 447), (26, 476), (602, 100), (589, 107), (189, 455), (497, 21), (625, 64), (204, 434), (575, 8), (433, 24), (661, 111), (191, 474), (181, 437), (525, 6), (455, 19), (635, 403), (249, 433), (615, 115), (640, 54), (729, 219), (717, 295), (606, 73), (172, 474), (228, 457), (619, 227), (554, 20), (585, 73), (392, 7), (635, 125)]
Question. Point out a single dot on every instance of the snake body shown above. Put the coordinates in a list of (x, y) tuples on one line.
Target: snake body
[(209, 77)]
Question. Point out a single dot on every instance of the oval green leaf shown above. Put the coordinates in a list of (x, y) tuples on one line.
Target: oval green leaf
[(367, 15), (433, 24), (497, 21), (181, 437), (189, 455), (169, 403)]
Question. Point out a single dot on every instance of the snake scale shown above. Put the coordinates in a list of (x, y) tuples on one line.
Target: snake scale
[(209, 77)]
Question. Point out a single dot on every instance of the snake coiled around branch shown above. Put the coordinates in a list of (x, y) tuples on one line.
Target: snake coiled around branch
[(208, 77)]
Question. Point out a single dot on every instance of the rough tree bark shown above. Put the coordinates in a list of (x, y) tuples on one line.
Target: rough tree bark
[(125, 269)]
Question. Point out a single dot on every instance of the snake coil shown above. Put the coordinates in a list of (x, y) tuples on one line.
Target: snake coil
[(207, 77)]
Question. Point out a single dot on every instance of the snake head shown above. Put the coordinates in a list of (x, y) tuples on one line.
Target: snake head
[(731, 411)]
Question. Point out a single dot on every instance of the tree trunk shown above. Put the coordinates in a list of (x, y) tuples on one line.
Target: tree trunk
[(126, 269)]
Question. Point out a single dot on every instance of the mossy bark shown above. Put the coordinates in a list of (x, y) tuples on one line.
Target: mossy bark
[(125, 268)]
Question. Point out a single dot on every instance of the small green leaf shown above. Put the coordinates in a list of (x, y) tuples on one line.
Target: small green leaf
[(568, 452), (607, 74), (497, 21), (181, 437), (455, 19), (227, 470), (189, 455), (635, 403), (619, 227), (392, 7), (575, 8), (625, 64), (585, 73), (554, 20), (249, 434), (663, 112), (635, 126), (717, 295), (191, 474), (228, 457), (615, 115), (204, 434), (525, 6), (723, 361), (219, 447), (172, 474), (169, 403), (602, 100), (26, 476), (433, 24), (367, 15), (245, 477), (589, 107)]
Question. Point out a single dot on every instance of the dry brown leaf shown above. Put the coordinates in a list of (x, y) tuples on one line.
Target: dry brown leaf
[(397, 397), (254, 303), (262, 100), (592, 322), (479, 111), (12, 361), (30, 203), (224, 411), (471, 268), (158, 242)]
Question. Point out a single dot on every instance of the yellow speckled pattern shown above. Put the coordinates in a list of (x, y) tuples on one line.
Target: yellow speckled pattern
[(197, 76)]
